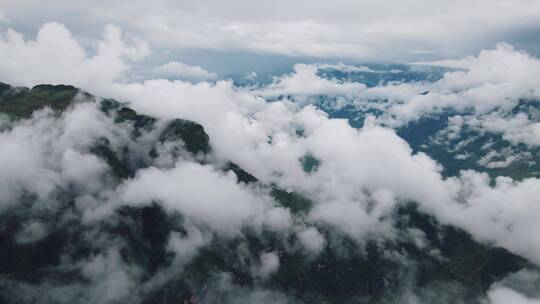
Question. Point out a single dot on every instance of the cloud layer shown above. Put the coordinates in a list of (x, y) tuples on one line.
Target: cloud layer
[(412, 29), (361, 177)]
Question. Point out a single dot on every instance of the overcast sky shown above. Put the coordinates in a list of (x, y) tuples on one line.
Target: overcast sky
[(240, 35)]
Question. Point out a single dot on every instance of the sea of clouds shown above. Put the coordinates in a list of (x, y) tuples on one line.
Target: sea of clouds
[(363, 174)]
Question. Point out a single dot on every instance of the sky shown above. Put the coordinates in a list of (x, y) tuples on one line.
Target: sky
[(169, 59), (240, 35)]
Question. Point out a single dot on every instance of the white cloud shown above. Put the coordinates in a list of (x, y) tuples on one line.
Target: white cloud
[(269, 264), (179, 70), (514, 128), (495, 78), (226, 208), (312, 239), (504, 215), (348, 68), (186, 247), (503, 295), (44, 152), (360, 168), (112, 280), (56, 57), (363, 174), (491, 83), (305, 81)]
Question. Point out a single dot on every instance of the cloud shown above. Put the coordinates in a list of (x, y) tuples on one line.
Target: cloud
[(305, 81), (44, 152), (222, 288), (361, 168), (186, 247), (112, 280), (367, 167), (312, 239), (494, 79), (523, 282), (500, 295), (489, 84), (503, 215), (362, 176), (31, 232), (56, 57), (516, 128), (179, 70), (269, 264), (3, 18), (226, 208), (351, 68), (367, 30)]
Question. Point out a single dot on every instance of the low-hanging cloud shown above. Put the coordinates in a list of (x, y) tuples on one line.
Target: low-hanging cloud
[(362, 175), (179, 70)]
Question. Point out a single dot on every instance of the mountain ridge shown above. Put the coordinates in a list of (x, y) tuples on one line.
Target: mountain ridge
[(335, 276)]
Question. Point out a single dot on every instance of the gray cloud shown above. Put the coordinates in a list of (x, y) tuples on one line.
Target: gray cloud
[(367, 30)]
